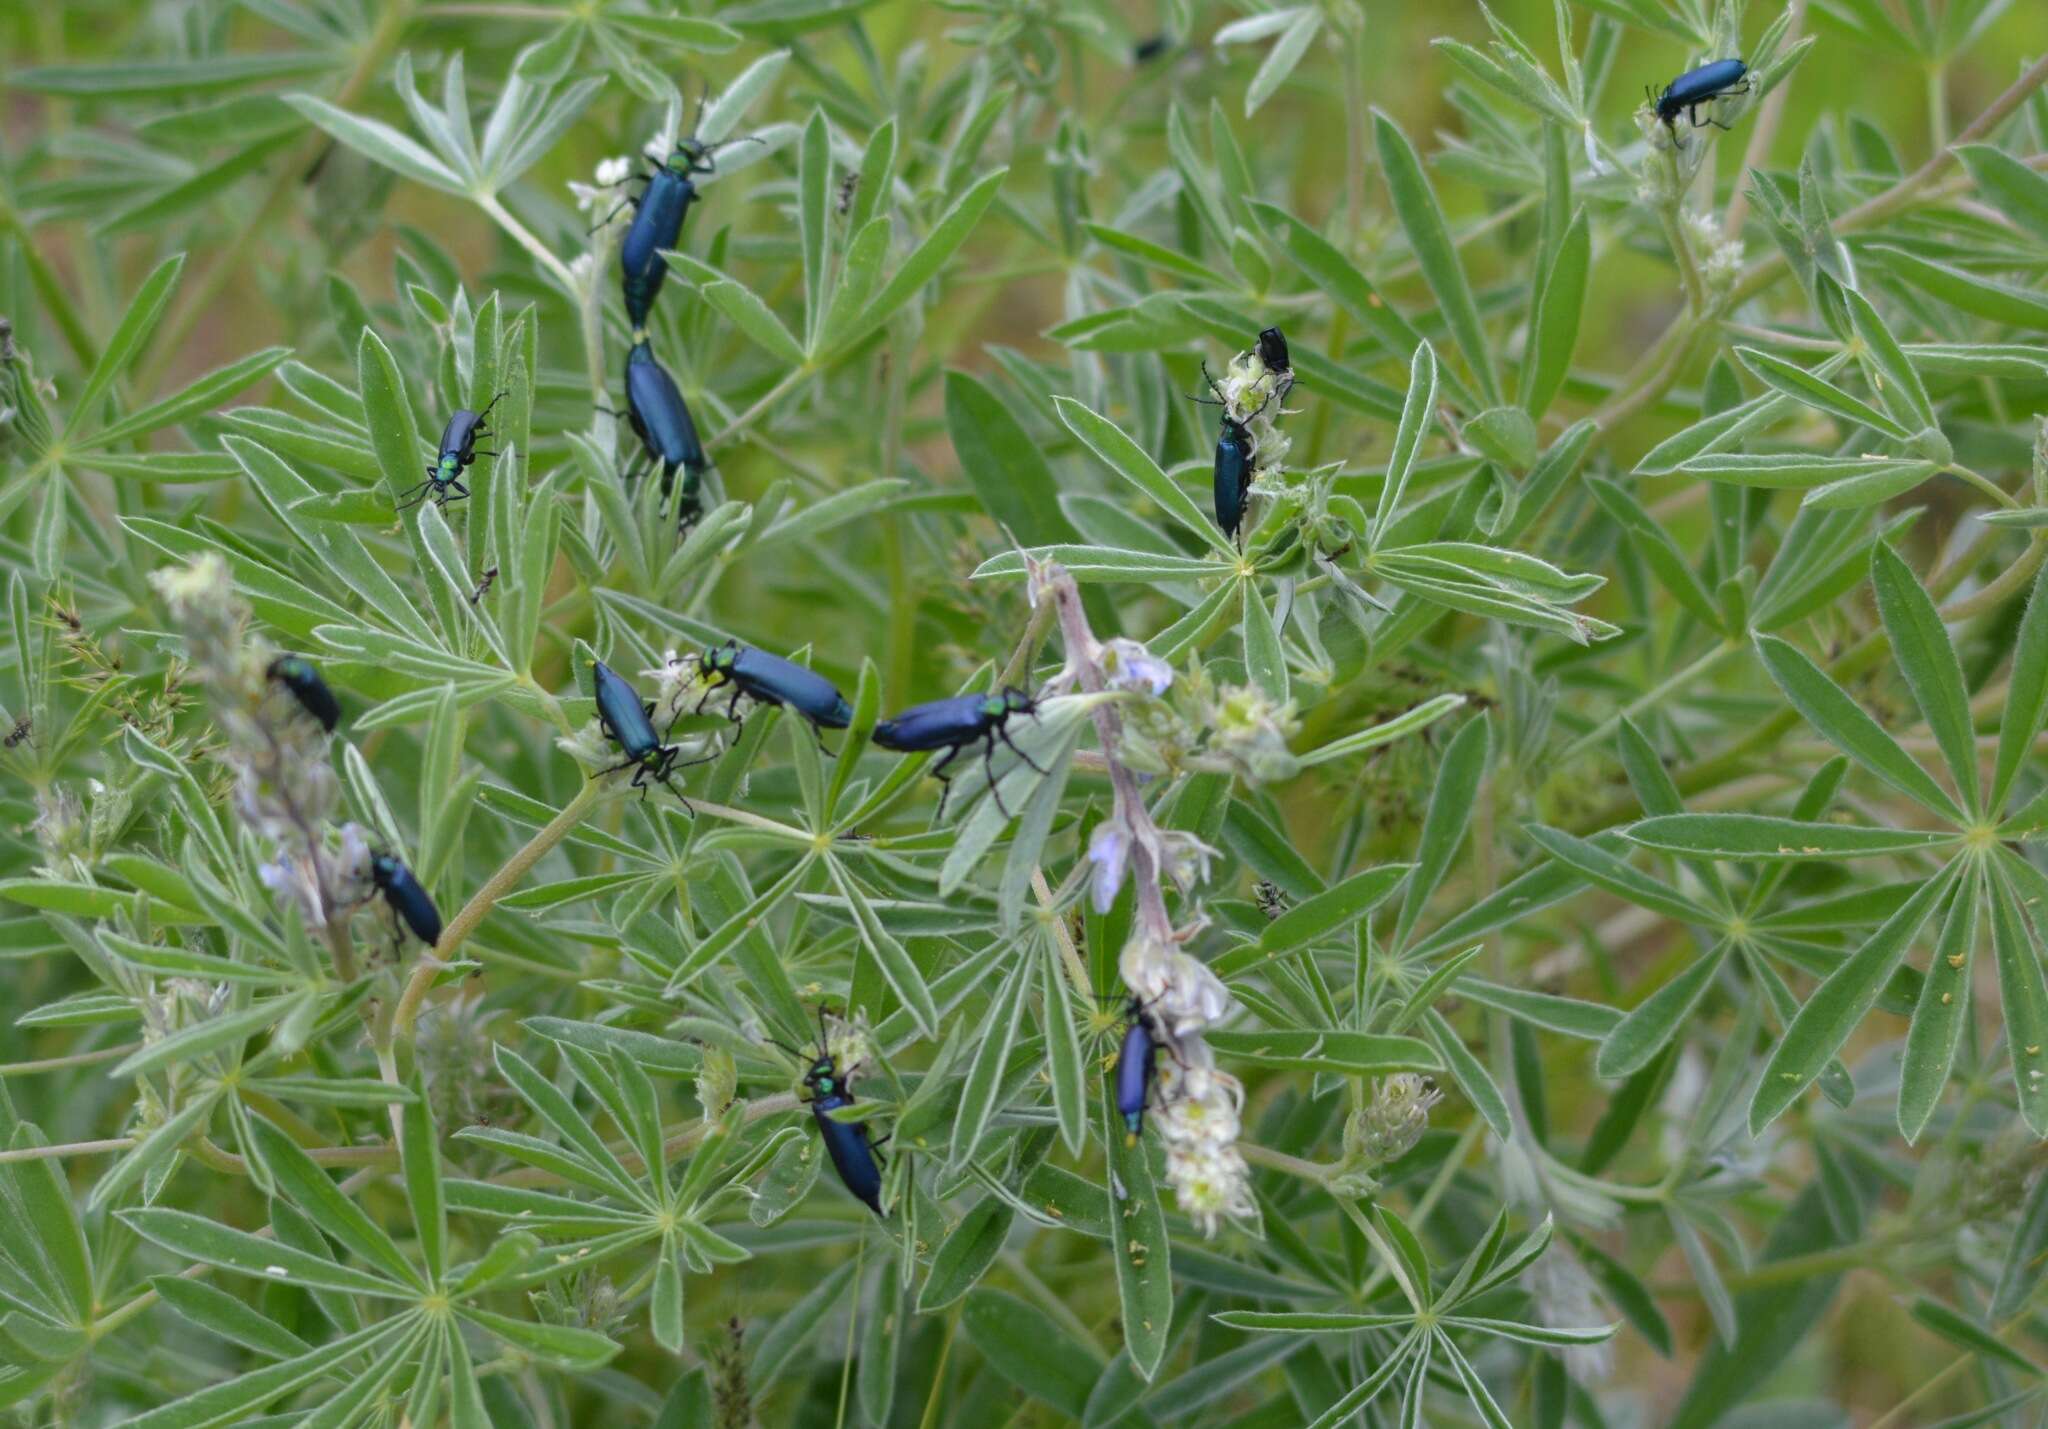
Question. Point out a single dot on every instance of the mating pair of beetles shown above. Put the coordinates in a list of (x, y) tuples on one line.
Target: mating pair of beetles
[(654, 404), (953, 724)]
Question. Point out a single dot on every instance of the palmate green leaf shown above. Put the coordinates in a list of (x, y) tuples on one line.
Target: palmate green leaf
[(1846, 725), (2026, 695), (1316, 918), (1648, 1029), (145, 310), (378, 142), (198, 1238), (1128, 460), (1100, 563), (43, 1234), (1373, 736), (1836, 1008), (1763, 836), (1554, 323), (927, 259), (1943, 1011), (234, 1401), (2002, 303), (1144, 1272), (966, 1254), (566, 1346), (1921, 646), (1351, 1053), (1451, 802), (2020, 193), (1422, 218), (1418, 411), (1818, 393), (2023, 996), (1007, 470)]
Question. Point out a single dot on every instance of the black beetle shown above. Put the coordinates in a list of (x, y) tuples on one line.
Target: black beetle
[(298, 675), (629, 723), (1698, 87), (1273, 350), (772, 680), (1234, 445), (954, 724), (668, 437), (409, 902), (458, 451)]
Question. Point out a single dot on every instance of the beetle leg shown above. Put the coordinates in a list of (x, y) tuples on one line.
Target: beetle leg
[(938, 772), (446, 498), (1000, 730), (732, 710), (988, 769), (629, 200), (815, 734)]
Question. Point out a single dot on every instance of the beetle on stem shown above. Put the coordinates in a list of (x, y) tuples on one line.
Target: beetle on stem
[(953, 725)]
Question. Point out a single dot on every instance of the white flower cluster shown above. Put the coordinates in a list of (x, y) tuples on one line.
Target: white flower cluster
[(602, 193), (1256, 395), (1198, 1104), (1720, 258)]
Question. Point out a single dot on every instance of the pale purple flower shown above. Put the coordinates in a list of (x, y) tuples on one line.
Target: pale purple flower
[(1128, 665), (1109, 849)]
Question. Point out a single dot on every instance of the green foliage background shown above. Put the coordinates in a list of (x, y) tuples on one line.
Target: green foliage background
[(1625, 707)]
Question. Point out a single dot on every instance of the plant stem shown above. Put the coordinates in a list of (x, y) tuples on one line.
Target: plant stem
[(76, 1059), (486, 898), (68, 1148)]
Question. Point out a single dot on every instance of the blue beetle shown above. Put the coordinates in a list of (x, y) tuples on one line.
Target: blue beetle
[(1234, 447), (658, 213), (668, 437), (629, 723), (954, 724), (852, 1150), (1698, 87), (458, 451), (1137, 1062), (299, 675), (846, 1142), (409, 902), (772, 680)]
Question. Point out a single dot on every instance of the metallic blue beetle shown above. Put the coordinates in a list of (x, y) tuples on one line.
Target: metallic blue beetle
[(299, 675), (954, 724), (1234, 446), (846, 1142), (1137, 1061), (409, 902), (668, 437), (658, 213), (1696, 88), (629, 723), (458, 451), (772, 680)]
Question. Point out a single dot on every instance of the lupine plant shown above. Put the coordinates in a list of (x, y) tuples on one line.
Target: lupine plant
[(1492, 874)]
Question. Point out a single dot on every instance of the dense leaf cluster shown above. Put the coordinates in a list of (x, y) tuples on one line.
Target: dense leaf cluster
[(1574, 850)]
